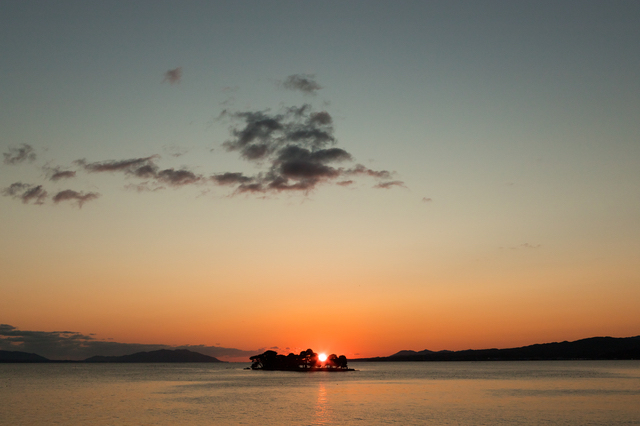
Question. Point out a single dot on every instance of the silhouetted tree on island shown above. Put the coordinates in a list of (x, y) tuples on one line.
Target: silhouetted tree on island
[(306, 361)]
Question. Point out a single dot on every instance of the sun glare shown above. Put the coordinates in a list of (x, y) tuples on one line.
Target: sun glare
[(322, 357)]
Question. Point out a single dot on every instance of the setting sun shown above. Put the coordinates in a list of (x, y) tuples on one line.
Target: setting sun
[(322, 357)]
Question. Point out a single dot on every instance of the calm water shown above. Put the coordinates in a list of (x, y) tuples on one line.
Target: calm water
[(491, 393)]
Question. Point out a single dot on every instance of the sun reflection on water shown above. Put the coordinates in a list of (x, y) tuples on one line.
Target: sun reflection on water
[(323, 410)]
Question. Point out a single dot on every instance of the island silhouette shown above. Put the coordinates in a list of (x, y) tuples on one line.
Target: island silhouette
[(305, 361)]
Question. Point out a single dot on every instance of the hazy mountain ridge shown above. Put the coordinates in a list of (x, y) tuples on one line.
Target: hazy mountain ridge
[(17, 356), (162, 355), (413, 353), (593, 348)]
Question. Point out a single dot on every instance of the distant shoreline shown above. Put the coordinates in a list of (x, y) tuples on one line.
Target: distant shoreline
[(591, 349), (159, 356)]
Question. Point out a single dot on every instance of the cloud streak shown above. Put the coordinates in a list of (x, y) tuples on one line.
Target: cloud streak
[(79, 197), (17, 155), (388, 185), (304, 83), (71, 345), (62, 174), (144, 168), (36, 194), (28, 193), (173, 76)]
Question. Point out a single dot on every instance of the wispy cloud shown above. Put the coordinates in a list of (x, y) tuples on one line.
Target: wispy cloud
[(17, 155), (79, 197), (174, 151), (28, 193), (229, 178), (173, 76), (72, 345), (359, 169), (391, 184), (114, 165), (144, 187), (57, 173), (304, 83), (144, 168), (62, 174)]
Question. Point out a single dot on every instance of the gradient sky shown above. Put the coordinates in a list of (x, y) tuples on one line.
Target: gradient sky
[(478, 184)]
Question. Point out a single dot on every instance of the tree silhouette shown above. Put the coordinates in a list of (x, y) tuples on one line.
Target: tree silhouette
[(306, 361)]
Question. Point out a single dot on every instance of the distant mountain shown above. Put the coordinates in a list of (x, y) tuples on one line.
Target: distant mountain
[(592, 348), (16, 356), (411, 353), (414, 353), (162, 355)]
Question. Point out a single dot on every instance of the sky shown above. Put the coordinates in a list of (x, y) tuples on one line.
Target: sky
[(356, 177)]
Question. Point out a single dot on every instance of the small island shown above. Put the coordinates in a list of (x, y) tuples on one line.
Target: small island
[(306, 361)]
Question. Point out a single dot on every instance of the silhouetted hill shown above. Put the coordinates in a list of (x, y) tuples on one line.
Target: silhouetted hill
[(414, 353), (16, 356), (592, 348), (162, 355)]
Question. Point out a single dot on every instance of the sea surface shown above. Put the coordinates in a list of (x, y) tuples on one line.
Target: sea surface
[(426, 393)]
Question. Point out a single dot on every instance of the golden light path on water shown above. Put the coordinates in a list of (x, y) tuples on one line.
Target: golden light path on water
[(323, 410)]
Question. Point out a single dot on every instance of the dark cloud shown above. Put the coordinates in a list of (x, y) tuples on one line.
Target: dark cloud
[(321, 118), (295, 146), (28, 193), (19, 155), (115, 165), (145, 171), (359, 169), (62, 174), (231, 178), (345, 183), (144, 168), (173, 76), (304, 83), (79, 197), (251, 187), (260, 135), (426, 200), (177, 177), (391, 184), (71, 345)]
